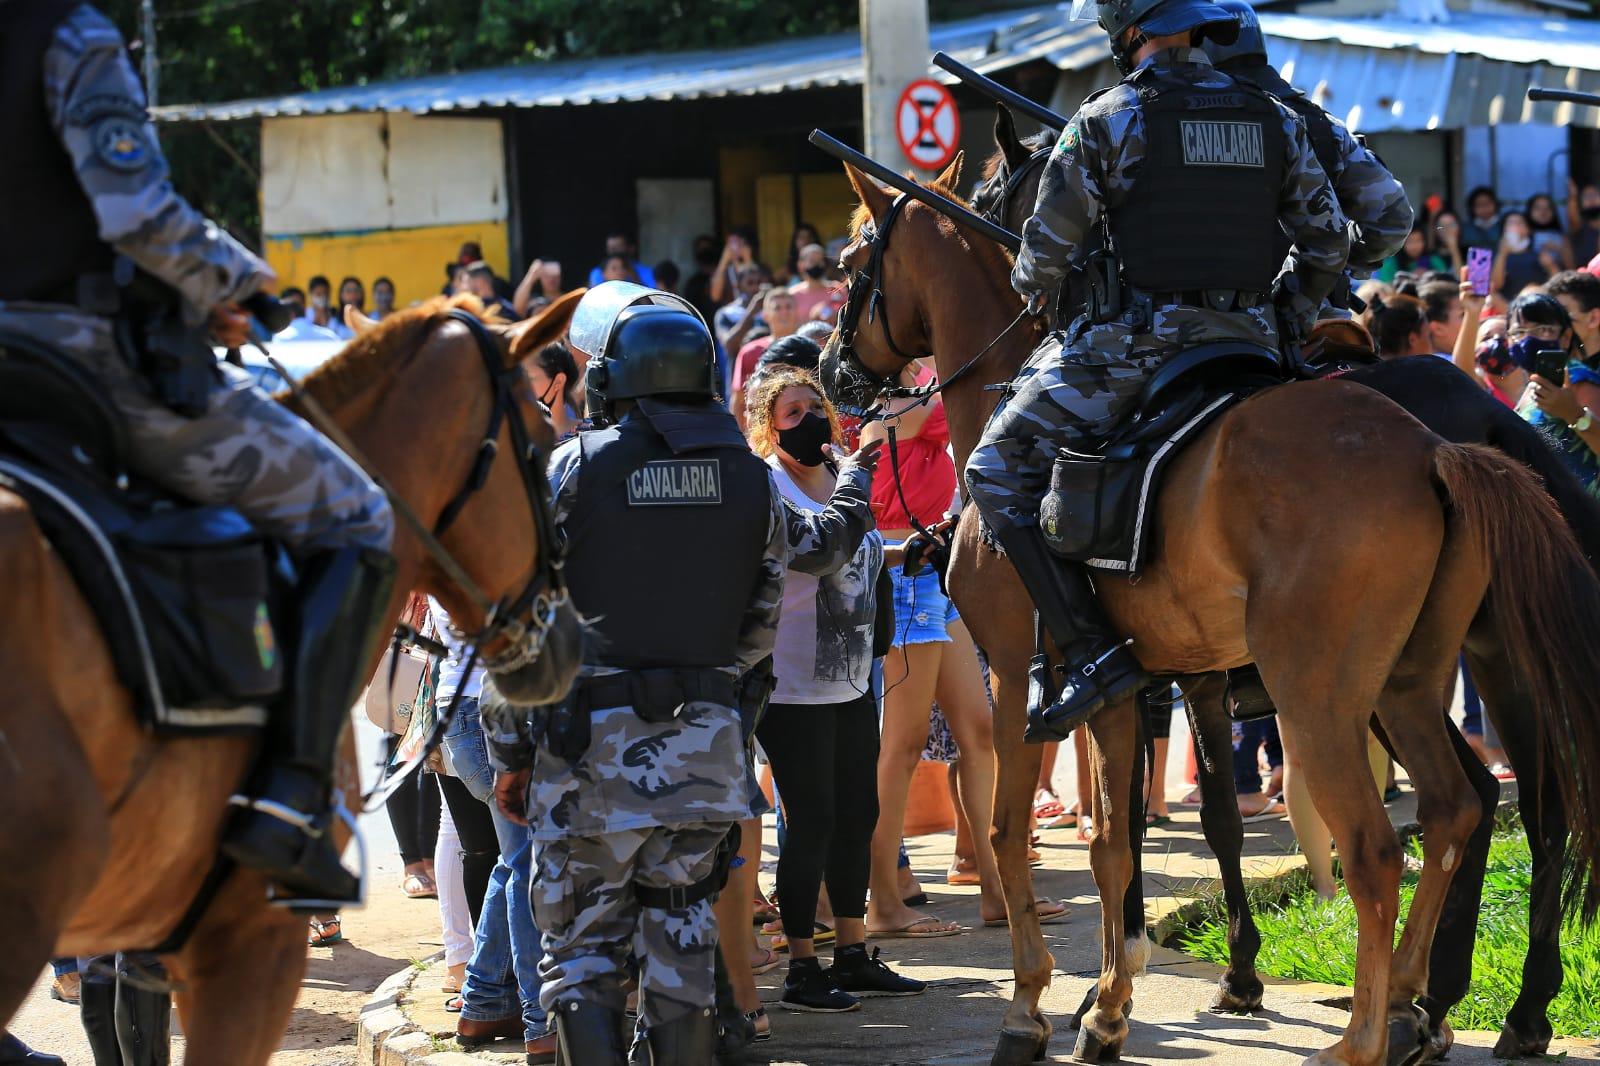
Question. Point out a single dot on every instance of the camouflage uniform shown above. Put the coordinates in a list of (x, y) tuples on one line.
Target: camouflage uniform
[(1371, 198), (646, 804), (1078, 387), (244, 450)]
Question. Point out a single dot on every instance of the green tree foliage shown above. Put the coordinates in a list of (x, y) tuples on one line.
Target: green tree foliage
[(215, 50)]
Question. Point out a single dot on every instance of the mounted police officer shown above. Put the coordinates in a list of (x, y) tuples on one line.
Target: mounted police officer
[(1370, 197), (1188, 175), (105, 266), (677, 553)]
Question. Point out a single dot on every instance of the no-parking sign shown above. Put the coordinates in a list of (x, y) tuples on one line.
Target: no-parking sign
[(928, 124)]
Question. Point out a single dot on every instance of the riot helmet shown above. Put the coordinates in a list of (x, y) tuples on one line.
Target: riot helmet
[(1251, 44), (640, 342), (1155, 18)]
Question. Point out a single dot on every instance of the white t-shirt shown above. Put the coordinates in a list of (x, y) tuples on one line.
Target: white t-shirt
[(824, 647), (451, 670)]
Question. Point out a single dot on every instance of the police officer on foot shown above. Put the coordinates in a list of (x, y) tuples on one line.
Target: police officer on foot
[(1184, 176), (677, 554), (105, 267), (1371, 198)]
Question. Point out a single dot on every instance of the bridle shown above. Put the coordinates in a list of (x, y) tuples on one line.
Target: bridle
[(847, 376), (526, 620), (1013, 181)]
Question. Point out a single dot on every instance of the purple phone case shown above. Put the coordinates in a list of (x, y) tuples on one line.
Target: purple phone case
[(1480, 261)]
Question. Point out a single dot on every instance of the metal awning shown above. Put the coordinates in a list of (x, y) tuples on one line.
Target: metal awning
[(1378, 73)]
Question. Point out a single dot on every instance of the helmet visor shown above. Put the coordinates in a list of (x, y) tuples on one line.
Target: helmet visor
[(1084, 11)]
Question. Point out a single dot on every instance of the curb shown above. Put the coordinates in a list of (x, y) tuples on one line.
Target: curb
[(385, 1036)]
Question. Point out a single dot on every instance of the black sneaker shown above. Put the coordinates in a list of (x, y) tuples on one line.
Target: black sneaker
[(809, 987), (860, 974)]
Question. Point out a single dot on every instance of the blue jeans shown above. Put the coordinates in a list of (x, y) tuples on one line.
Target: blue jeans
[(1248, 737), (503, 974)]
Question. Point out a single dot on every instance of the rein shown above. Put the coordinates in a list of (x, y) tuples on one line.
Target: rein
[(546, 591)]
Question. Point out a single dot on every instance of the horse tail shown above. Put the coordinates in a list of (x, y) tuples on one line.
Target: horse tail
[(1546, 603)]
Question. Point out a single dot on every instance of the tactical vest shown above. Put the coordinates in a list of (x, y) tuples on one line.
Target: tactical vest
[(1203, 209), (50, 230), (666, 545)]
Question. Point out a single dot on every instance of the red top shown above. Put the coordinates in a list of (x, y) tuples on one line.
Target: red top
[(927, 474), (744, 366)]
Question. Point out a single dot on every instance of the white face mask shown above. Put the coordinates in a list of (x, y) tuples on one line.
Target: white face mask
[(320, 302), (1517, 242)]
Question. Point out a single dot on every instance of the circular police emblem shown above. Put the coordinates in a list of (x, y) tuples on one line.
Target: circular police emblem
[(120, 144), (1069, 138)]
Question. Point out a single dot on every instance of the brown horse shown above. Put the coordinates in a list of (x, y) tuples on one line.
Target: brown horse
[(1314, 508), (112, 830), (1455, 408)]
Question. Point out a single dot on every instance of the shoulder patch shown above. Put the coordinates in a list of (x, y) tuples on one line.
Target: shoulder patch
[(1069, 138), (120, 144), (666, 482), (91, 109)]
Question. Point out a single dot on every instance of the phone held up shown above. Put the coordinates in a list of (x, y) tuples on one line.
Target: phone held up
[(1480, 262), (1551, 364)]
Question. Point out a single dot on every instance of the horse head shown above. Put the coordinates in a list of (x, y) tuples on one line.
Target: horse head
[(415, 392), (1010, 183)]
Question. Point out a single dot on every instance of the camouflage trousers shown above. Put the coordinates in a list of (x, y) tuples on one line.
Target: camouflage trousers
[(592, 921), (1065, 397), (244, 451)]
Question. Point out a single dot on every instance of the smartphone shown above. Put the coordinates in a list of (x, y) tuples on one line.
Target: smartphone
[(1551, 364), (1480, 262)]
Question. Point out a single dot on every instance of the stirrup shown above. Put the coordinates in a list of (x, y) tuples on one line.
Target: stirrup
[(277, 895)]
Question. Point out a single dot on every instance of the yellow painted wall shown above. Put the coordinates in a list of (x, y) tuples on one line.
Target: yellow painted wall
[(412, 258)]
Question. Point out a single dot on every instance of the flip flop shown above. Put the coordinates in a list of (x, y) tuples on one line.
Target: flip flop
[(767, 965), (454, 1004), (1503, 772), (916, 930), (419, 886), (1275, 809), (957, 875), (1152, 821), (325, 934), (1048, 808), (821, 935), (1044, 919)]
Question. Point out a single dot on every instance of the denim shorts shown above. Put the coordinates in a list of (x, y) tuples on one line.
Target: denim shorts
[(923, 614)]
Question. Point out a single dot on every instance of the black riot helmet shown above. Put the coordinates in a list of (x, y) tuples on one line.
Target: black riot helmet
[(640, 342), (1155, 18), (1250, 45)]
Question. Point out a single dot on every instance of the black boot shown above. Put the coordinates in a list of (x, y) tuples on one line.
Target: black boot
[(13, 1052), (1247, 694), (284, 827), (588, 1034), (97, 1011), (1099, 667), (144, 1018), (735, 1032), (689, 1041)]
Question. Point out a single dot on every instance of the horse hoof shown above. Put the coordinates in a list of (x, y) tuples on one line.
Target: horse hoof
[(1090, 1048), (1245, 999), (1076, 1021), (1440, 1041), (1408, 1036), (1044, 1037), (1514, 1044), (1019, 1049)]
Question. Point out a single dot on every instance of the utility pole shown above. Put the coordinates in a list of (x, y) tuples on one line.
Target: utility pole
[(894, 48), (147, 31)]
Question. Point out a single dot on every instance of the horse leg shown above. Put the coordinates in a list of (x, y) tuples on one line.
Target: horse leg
[(238, 976), (1240, 990), (1527, 1029), (1114, 731), (1024, 1031), (1450, 962)]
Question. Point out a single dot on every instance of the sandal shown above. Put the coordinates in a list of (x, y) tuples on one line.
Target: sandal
[(454, 1004), (1085, 827), (762, 912), (419, 886), (1046, 806), (820, 935), (962, 872), (770, 962), (755, 1018), (325, 934), (1059, 914), (925, 928)]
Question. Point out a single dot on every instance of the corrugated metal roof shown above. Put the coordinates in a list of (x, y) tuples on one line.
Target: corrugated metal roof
[(1379, 73)]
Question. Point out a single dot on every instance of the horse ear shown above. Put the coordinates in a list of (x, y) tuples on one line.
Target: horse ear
[(951, 178), (358, 322), (1006, 139), (550, 324), (873, 196)]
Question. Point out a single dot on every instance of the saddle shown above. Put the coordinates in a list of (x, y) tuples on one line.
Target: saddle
[(186, 595), (1098, 509)]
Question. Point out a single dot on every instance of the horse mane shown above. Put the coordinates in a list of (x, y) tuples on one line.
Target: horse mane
[(996, 257), (366, 355)]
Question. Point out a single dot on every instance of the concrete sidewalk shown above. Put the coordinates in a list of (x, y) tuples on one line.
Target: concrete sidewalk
[(957, 1021)]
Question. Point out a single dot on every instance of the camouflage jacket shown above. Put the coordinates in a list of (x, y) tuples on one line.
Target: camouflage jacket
[(637, 773), (89, 87), (1372, 199), (1097, 158)]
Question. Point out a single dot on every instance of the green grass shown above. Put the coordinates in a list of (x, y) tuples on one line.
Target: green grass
[(1309, 939)]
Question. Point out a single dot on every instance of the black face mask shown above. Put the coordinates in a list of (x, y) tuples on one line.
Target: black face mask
[(549, 400), (815, 272), (1590, 213), (803, 442)]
